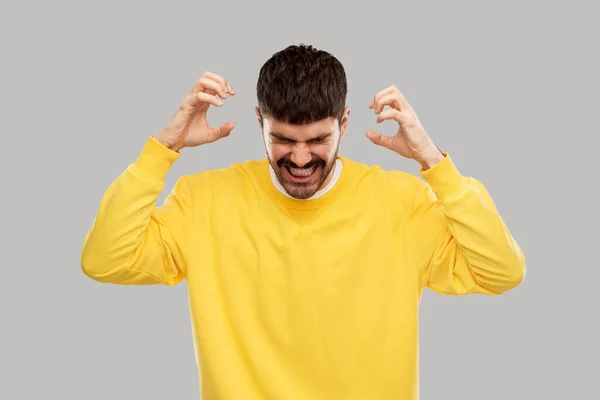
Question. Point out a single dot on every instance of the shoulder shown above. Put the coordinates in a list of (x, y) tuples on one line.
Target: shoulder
[(379, 178), (391, 191), (237, 176)]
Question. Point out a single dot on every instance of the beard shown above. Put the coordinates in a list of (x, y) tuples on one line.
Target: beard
[(303, 190)]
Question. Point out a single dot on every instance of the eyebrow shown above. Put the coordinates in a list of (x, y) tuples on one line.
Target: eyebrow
[(281, 136)]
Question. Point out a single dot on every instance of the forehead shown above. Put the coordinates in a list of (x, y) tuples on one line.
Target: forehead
[(301, 132)]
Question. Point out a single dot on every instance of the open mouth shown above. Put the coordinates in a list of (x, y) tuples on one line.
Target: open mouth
[(301, 175)]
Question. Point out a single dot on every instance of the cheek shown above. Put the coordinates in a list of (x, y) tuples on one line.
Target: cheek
[(328, 151), (269, 147), (276, 151)]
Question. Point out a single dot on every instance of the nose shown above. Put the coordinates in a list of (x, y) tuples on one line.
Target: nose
[(301, 155)]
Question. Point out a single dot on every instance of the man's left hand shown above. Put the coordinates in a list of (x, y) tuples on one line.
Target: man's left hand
[(411, 140)]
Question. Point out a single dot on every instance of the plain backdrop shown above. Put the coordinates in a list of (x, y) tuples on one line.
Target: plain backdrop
[(509, 89)]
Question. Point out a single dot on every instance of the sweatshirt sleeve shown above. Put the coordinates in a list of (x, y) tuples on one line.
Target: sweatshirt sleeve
[(462, 244), (131, 240)]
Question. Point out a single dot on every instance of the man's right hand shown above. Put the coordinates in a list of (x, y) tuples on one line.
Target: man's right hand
[(188, 127)]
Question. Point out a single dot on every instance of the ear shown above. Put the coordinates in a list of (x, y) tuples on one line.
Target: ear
[(258, 118), (344, 121)]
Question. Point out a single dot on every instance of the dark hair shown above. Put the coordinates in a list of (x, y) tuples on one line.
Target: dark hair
[(300, 85)]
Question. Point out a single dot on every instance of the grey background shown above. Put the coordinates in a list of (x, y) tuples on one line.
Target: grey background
[(509, 89)]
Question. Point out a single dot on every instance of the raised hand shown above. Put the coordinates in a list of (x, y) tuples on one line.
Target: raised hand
[(410, 140), (189, 127)]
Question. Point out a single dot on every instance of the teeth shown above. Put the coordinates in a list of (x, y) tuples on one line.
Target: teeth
[(302, 171)]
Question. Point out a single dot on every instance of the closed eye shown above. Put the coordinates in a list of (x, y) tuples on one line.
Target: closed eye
[(319, 139), (283, 140)]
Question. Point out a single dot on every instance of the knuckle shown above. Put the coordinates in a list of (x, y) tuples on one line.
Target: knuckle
[(185, 108)]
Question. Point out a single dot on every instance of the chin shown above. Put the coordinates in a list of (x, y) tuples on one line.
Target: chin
[(300, 193)]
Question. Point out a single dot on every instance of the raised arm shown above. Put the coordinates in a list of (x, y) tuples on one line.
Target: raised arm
[(132, 241), (461, 243)]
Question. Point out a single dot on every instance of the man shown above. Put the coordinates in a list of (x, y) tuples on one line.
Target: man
[(304, 269)]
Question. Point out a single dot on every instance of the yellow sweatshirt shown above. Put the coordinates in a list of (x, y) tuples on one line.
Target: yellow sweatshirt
[(303, 300)]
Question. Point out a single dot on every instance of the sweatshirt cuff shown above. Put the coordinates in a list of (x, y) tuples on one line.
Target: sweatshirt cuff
[(155, 160), (445, 179)]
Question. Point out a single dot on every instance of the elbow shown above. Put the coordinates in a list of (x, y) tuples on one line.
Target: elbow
[(95, 272), (516, 279), (88, 267), (94, 262), (515, 274), (91, 268)]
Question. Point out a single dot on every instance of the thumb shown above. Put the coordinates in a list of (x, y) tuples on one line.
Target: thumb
[(221, 131), (380, 139)]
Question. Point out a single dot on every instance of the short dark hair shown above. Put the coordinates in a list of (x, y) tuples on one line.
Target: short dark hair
[(301, 84)]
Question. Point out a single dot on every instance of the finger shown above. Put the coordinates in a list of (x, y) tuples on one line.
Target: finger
[(210, 86), (193, 100), (217, 78), (220, 131), (231, 91), (390, 89), (380, 139), (380, 94), (198, 84), (221, 84), (392, 99), (394, 114)]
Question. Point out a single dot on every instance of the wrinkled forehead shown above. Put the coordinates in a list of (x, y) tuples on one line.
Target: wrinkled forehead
[(300, 132)]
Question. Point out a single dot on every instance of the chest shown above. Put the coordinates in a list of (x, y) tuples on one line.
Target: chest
[(299, 278), (324, 253)]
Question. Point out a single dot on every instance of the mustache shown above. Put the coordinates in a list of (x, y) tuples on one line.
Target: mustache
[(288, 162)]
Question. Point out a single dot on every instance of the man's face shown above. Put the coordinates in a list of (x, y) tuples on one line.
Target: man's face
[(303, 156)]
